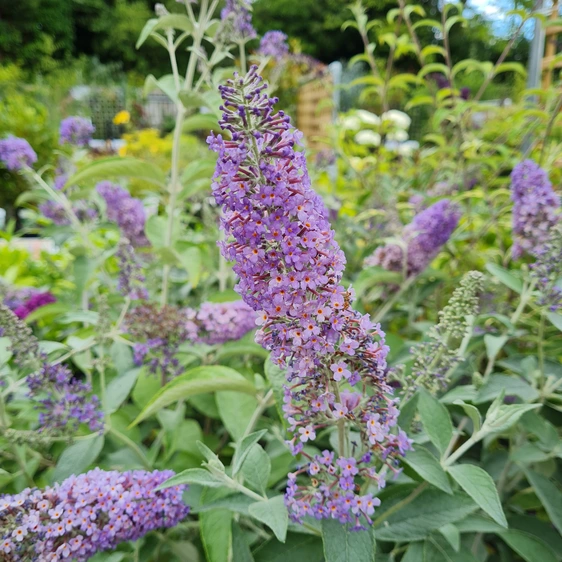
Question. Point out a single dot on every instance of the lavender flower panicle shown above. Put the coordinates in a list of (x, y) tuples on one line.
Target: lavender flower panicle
[(423, 239), (274, 44), (216, 323), (16, 153), (76, 130), (63, 401), (35, 301), (547, 270), (536, 208), (237, 21), (290, 268), (85, 514), (126, 211)]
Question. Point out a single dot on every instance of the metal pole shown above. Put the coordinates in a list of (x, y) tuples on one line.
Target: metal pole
[(536, 53)]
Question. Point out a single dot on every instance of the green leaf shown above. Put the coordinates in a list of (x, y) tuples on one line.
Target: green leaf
[(510, 67), (5, 350), (343, 545), (240, 548), (166, 84), (244, 448), (146, 387), (276, 377), (414, 553), (236, 411), (196, 381), (272, 513), (215, 528), (155, 229), (428, 467), (472, 412), (555, 319), (494, 345), (452, 535), (506, 277), (77, 458), (435, 419), (530, 548), (198, 476), (119, 388), (438, 549), (542, 429), (429, 511), (297, 548), (115, 166), (478, 524), (237, 503), (540, 529), (198, 169), (501, 418), (256, 468), (510, 385), (170, 21), (200, 121), (190, 258), (550, 496), (478, 484)]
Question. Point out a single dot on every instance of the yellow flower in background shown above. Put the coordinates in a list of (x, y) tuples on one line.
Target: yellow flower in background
[(122, 118)]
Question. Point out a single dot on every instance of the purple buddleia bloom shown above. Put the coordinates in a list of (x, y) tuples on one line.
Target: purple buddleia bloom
[(128, 212), (86, 514), (536, 208), (274, 44), (54, 212), (237, 21), (131, 282), (290, 269), (422, 240), (76, 130), (16, 153), (216, 323), (63, 401)]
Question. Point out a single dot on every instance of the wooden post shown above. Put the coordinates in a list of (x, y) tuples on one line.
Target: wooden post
[(550, 49), (314, 111)]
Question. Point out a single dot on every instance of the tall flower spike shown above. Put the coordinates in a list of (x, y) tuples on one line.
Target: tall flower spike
[(536, 208), (289, 269), (76, 130), (434, 360), (86, 514), (16, 153), (422, 239)]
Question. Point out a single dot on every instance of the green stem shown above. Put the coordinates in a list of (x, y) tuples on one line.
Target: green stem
[(461, 450), (398, 506), (381, 313), (243, 65), (541, 344), (262, 405)]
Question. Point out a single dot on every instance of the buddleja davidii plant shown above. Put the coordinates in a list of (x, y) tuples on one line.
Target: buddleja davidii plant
[(495, 472)]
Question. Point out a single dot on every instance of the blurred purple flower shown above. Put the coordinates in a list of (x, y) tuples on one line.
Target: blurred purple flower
[(76, 130), (16, 153), (237, 21), (536, 208), (274, 44)]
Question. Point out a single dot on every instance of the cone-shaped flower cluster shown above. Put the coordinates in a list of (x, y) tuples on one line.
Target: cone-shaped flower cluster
[(24, 301), (86, 514), (274, 44), (76, 130), (290, 268), (422, 240), (16, 153), (536, 208)]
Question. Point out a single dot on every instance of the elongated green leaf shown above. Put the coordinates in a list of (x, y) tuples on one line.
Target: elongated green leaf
[(236, 411), (196, 381), (435, 419), (494, 344), (472, 412), (216, 534), (478, 484), (506, 277), (438, 549), (414, 553), (200, 121), (550, 496), (198, 476), (115, 167), (240, 548), (504, 416), (276, 377), (343, 545), (429, 511), (298, 547), (78, 457), (452, 535), (530, 548), (428, 467), (170, 21), (244, 448), (274, 514), (256, 469), (166, 84), (119, 388), (556, 319)]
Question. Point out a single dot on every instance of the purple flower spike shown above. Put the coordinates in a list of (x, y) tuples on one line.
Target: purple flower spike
[(423, 238), (86, 514), (237, 21), (274, 44), (16, 153), (76, 130), (126, 211), (536, 208), (34, 302), (290, 268)]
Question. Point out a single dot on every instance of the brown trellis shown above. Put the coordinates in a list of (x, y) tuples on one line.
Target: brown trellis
[(315, 111)]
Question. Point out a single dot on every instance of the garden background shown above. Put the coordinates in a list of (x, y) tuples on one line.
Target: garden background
[(224, 340)]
